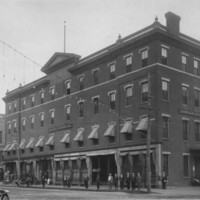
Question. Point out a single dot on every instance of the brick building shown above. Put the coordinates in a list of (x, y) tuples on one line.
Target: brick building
[(81, 117)]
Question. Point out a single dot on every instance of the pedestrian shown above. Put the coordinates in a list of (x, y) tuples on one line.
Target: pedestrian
[(110, 181), (43, 180), (115, 181), (121, 179), (128, 180), (69, 180), (164, 180), (28, 180), (65, 181), (98, 182), (139, 181), (86, 180), (133, 181)]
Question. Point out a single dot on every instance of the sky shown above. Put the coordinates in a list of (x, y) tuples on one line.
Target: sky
[(31, 31)]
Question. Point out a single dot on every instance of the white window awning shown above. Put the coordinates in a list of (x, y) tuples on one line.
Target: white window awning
[(50, 141), (13, 147), (40, 142), (79, 135), (66, 138), (22, 144), (143, 124), (30, 144), (127, 128), (6, 147), (110, 130), (94, 133)]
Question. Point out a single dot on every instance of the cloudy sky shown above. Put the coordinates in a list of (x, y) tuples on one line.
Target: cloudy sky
[(31, 31)]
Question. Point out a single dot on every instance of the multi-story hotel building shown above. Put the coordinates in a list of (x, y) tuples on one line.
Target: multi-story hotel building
[(81, 117)]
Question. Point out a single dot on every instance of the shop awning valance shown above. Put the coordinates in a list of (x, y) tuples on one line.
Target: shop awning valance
[(30, 144), (13, 147), (50, 141), (110, 130), (22, 144), (94, 133), (66, 138), (6, 147), (79, 135), (127, 128), (40, 142), (143, 124)]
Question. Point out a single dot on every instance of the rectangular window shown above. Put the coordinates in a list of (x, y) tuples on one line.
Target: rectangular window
[(197, 131), (23, 104), (196, 67), (32, 122), (68, 110), (81, 109), (185, 165), (15, 126), (1, 137), (185, 95), (41, 119), (185, 130), (96, 105), (165, 159), (184, 63), (165, 90), (15, 106), (144, 57), (96, 77), (128, 60), (145, 91), (164, 53), (129, 94), (52, 92), (9, 108), (23, 124), (112, 97), (52, 116), (32, 101), (42, 97), (81, 83), (165, 126), (68, 87), (9, 127), (112, 70), (197, 98)]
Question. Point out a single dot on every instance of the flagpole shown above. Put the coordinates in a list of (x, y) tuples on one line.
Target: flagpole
[(64, 34)]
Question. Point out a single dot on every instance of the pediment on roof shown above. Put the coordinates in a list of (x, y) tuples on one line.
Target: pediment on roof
[(58, 59)]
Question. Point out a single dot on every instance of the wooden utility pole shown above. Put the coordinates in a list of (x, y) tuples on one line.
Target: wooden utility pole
[(148, 161)]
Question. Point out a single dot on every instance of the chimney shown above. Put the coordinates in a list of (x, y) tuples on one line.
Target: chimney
[(173, 23)]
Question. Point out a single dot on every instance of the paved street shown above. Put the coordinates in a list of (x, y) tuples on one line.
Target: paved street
[(23, 193)]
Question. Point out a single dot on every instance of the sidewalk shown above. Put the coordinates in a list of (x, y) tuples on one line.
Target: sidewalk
[(156, 193)]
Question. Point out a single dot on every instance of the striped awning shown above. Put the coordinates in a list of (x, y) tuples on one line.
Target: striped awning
[(94, 133), (6, 147), (22, 144), (110, 130), (143, 124), (79, 135), (30, 144), (50, 141), (127, 128), (40, 142), (66, 138), (13, 147)]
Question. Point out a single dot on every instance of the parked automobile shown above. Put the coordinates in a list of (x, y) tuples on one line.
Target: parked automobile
[(4, 194)]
